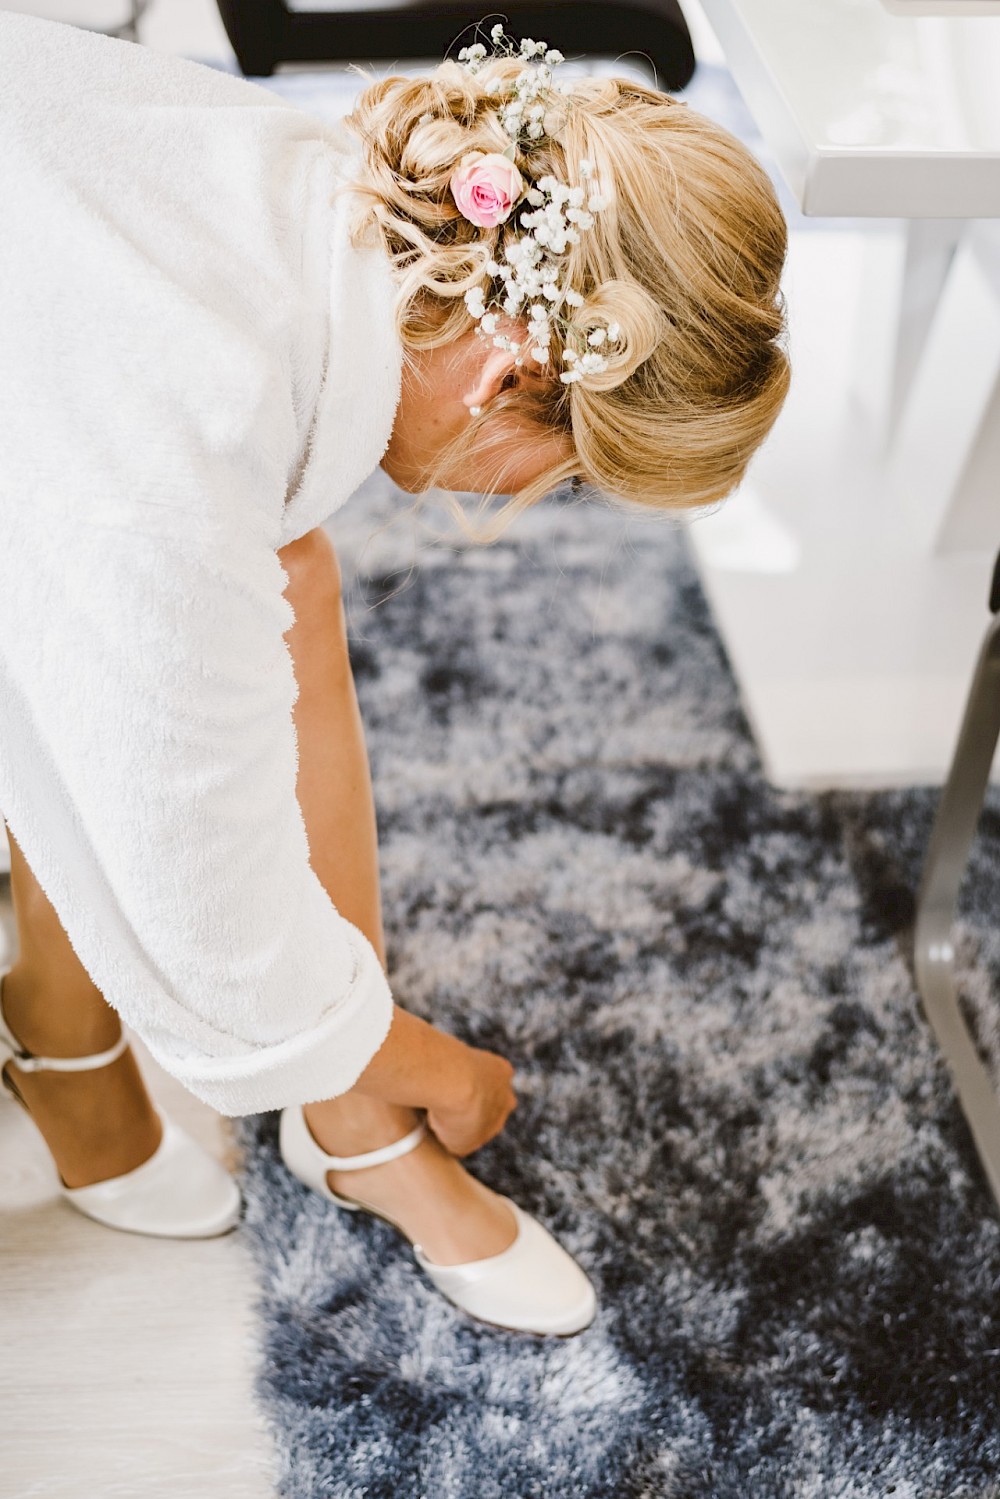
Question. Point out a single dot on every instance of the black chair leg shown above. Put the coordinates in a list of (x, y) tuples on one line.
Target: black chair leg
[(265, 33), (947, 857)]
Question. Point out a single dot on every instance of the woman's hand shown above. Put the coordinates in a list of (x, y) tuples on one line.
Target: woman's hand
[(465, 1090), (463, 1127)]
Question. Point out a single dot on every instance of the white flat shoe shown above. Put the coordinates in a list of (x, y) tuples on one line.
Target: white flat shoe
[(533, 1285), (180, 1192)]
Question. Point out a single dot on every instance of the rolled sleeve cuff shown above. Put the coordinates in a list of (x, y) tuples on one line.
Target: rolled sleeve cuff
[(315, 1064)]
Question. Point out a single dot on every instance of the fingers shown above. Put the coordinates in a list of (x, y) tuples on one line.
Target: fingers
[(457, 1142), (463, 1131), (460, 1143)]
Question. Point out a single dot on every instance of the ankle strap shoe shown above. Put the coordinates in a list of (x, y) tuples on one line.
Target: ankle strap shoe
[(179, 1192), (532, 1286)]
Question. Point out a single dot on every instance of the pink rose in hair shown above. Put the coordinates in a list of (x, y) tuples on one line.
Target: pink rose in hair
[(486, 187)]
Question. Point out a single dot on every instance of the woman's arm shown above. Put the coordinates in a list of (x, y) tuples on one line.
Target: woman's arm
[(147, 768), (466, 1090), (469, 1092)]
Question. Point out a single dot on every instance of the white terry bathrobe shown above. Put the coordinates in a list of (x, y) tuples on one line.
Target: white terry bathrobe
[(196, 367)]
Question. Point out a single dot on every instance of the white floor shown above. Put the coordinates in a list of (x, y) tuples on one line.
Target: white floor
[(125, 1362)]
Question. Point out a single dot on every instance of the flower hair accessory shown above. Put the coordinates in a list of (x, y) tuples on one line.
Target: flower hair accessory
[(488, 189)]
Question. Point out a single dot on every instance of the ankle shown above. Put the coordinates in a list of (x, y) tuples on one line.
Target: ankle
[(52, 1019), (353, 1122)]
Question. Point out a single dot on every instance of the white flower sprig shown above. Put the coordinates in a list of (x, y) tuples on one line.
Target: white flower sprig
[(531, 274), (523, 114)]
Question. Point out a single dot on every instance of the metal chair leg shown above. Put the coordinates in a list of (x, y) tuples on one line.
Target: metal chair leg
[(946, 860)]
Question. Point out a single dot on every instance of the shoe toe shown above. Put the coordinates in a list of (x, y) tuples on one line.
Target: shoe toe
[(181, 1192), (534, 1285)]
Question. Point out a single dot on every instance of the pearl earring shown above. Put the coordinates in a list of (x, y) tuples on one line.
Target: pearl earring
[(475, 410)]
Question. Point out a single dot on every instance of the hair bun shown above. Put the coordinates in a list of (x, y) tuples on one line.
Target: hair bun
[(640, 323)]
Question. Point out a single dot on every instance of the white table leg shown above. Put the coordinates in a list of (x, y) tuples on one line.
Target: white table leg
[(849, 630), (945, 452), (930, 250)]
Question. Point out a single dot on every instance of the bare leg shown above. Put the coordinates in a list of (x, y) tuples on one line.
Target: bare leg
[(451, 1214), (102, 1123), (96, 1124)]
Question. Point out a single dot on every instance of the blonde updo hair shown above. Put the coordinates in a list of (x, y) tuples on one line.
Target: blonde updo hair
[(687, 258)]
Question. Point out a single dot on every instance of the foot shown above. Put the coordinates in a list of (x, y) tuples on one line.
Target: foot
[(427, 1192), (97, 1124)]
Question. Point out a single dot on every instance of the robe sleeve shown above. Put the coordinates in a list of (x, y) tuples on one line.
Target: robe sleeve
[(167, 283), (147, 768)]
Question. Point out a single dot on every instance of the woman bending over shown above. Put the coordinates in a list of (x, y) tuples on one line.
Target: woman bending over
[(220, 315)]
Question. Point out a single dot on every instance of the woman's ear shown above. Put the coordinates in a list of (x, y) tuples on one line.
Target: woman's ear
[(489, 378)]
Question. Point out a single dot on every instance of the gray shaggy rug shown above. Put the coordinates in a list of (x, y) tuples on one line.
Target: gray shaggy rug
[(730, 1107)]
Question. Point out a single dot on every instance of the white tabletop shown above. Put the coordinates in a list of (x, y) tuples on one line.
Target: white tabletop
[(868, 111)]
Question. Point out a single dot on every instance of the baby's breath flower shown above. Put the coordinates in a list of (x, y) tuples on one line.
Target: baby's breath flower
[(473, 55), (592, 364), (588, 364), (531, 270)]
